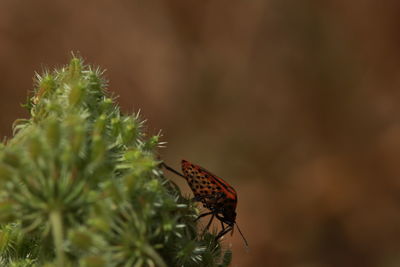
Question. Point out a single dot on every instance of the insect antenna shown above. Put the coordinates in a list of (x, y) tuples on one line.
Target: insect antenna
[(172, 170), (244, 239)]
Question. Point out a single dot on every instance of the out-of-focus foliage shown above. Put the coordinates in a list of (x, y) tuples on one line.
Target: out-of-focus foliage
[(80, 185)]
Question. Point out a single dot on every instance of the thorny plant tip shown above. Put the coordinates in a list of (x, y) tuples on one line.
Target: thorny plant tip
[(80, 185)]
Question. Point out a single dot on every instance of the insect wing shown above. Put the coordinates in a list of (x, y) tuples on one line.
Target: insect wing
[(205, 184)]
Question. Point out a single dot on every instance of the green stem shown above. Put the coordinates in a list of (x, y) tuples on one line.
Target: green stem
[(154, 255), (57, 230)]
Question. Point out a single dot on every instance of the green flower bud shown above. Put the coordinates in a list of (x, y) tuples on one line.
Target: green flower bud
[(74, 69), (81, 239), (12, 159), (35, 148), (53, 133), (76, 94), (7, 212), (46, 85), (93, 261)]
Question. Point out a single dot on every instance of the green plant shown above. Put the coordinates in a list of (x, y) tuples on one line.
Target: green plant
[(80, 185)]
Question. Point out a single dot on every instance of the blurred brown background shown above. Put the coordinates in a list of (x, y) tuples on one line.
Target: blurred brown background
[(296, 103)]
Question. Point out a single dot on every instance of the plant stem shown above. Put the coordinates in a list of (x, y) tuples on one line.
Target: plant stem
[(57, 230)]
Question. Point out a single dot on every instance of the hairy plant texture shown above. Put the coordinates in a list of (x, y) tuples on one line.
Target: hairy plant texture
[(80, 185)]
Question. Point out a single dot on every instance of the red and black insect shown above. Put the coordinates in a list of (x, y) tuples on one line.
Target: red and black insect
[(215, 194)]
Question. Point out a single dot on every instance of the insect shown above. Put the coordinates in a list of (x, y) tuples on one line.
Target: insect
[(214, 193)]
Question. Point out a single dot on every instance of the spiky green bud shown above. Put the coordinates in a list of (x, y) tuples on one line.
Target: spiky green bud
[(80, 185)]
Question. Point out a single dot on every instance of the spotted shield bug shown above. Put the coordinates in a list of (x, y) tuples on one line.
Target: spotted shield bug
[(214, 193)]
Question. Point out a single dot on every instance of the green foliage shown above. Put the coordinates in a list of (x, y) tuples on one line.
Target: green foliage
[(80, 185)]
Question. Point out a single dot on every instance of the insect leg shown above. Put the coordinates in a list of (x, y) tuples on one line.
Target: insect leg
[(222, 219), (206, 198), (223, 232), (204, 214), (171, 169), (208, 224)]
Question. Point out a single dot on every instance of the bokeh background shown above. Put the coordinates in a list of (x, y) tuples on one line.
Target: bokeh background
[(295, 103)]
